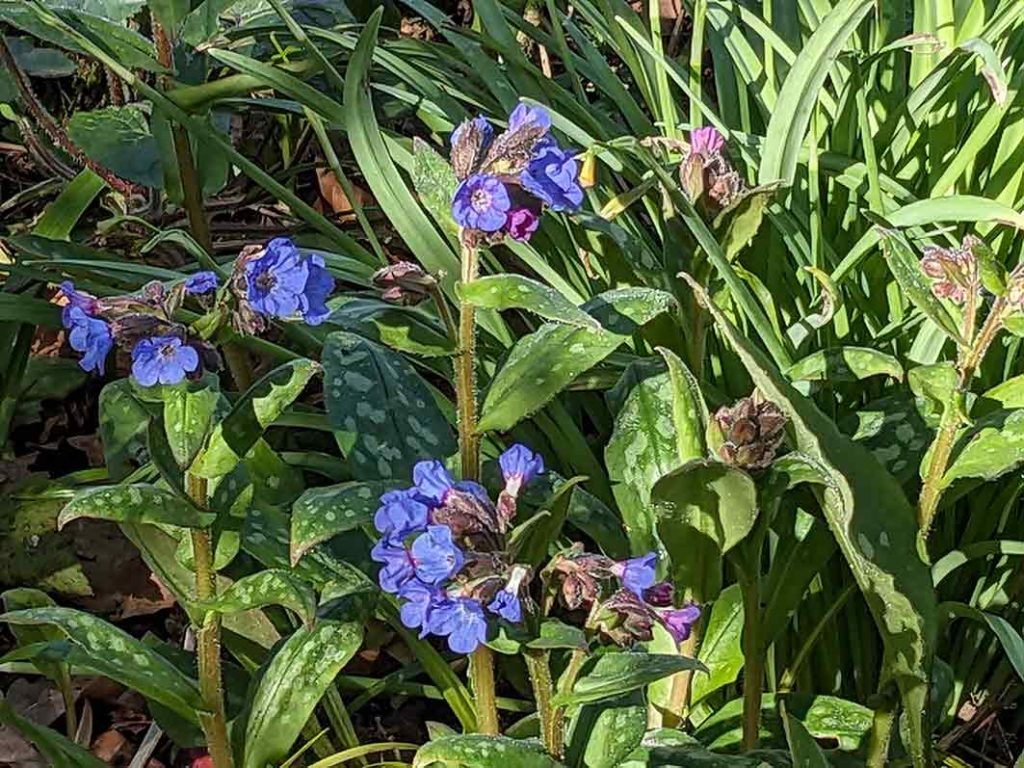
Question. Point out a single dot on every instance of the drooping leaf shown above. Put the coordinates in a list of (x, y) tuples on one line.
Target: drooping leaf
[(720, 649), (118, 138), (384, 416), (546, 361), (320, 513), (137, 503), (480, 751), (271, 587), (123, 425), (58, 750), (252, 413), (291, 685), (874, 525), (845, 364), (510, 291), (617, 673)]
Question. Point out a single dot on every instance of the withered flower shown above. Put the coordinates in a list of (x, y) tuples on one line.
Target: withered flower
[(954, 272), (752, 431), (404, 283), (706, 173), (624, 618)]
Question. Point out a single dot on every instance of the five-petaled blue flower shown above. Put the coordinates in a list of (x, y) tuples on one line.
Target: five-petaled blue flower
[(400, 514), (519, 465), (435, 556), (201, 282), (419, 599), (397, 561), (481, 202), (680, 622), (88, 335), (163, 359), (552, 176), (524, 114), (462, 620), (637, 573), (507, 605), (283, 283)]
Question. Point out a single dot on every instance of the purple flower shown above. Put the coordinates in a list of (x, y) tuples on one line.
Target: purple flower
[(659, 595), (519, 465), (76, 300), (201, 282), (637, 573), (553, 177), (524, 114), (88, 335), (397, 564), (163, 359), (400, 513), (706, 141), (283, 283), (507, 605), (521, 223), (680, 622), (460, 619), (432, 480), (481, 202), (435, 556), (480, 123), (420, 598)]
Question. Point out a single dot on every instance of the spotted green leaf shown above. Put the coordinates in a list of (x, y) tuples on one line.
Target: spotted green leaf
[(802, 746), (546, 361), (384, 416), (137, 503), (602, 735), (874, 525), (479, 751), (320, 513), (233, 437), (616, 673), (845, 364), (188, 413), (519, 292), (106, 650), (993, 447), (271, 587), (435, 183), (291, 685), (720, 649), (22, 598), (123, 424), (406, 329)]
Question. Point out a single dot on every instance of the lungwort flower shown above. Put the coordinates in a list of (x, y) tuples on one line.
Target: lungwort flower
[(90, 336), (954, 272), (283, 283), (752, 431), (706, 174), (163, 360), (201, 282), (481, 202)]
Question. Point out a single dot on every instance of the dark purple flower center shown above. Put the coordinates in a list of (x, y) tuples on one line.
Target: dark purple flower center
[(480, 199), (266, 280), (167, 351)]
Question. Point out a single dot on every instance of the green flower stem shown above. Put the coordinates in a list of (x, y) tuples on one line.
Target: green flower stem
[(214, 720), (565, 685), (537, 664), (481, 679), (753, 662), (881, 733)]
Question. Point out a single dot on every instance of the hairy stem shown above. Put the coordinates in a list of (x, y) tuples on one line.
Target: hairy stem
[(214, 721), (537, 664), (679, 696), (481, 678), (753, 661), (881, 733)]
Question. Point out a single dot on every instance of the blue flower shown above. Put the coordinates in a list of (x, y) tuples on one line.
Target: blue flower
[(481, 202), (432, 480), (283, 283), (481, 124), (460, 619), (201, 282), (76, 299), (524, 114), (88, 335), (680, 622), (519, 465), (400, 514), (435, 556), (420, 598), (507, 605), (552, 176), (397, 564), (637, 573), (162, 359)]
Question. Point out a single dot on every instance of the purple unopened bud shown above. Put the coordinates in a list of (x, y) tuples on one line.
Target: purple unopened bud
[(753, 430), (521, 223), (680, 622), (706, 141), (404, 283), (625, 618), (466, 513), (660, 595)]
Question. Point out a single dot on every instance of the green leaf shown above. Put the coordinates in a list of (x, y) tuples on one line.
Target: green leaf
[(906, 268), (118, 138), (291, 684), (845, 364), (1008, 636), (189, 411), (103, 649), (555, 635), (621, 672), (435, 183), (546, 361), (170, 13), (321, 513), (63, 214), (137, 503), (479, 751), (602, 735), (995, 446), (58, 750), (272, 587), (124, 422), (802, 746), (39, 62), (737, 224), (874, 525), (950, 561), (20, 599), (406, 329), (799, 94), (384, 416), (701, 511), (720, 649), (519, 292), (536, 540), (251, 414)]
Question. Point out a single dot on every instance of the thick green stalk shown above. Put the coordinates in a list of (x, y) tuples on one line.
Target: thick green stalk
[(753, 661), (214, 721), (881, 733), (537, 664), (481, 680)]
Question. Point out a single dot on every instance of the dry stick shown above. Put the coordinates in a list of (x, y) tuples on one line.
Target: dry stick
[(49, 125)]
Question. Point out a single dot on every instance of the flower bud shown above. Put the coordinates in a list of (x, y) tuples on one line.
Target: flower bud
[(953, 271), (752, 431), (404, 283)]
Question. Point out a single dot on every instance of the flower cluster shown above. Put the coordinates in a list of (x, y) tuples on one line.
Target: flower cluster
[(442, 551), (281, 282), (706, 173), (404, 283), (954, 272), (506, 180), (630, 613), (752, 431)]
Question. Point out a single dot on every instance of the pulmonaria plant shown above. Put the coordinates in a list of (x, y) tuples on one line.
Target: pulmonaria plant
[(752, 431), (953, 272), (706, 173), (505, 181), (443, 551)]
